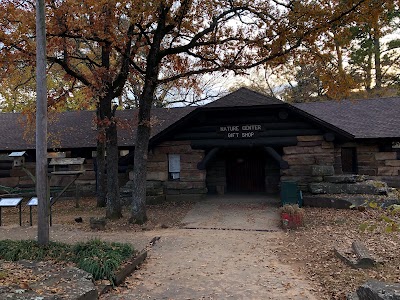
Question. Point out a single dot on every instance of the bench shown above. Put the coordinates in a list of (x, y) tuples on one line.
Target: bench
[(11, 202)]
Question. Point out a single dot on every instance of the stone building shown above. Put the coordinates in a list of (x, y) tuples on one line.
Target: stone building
[(244, 142)]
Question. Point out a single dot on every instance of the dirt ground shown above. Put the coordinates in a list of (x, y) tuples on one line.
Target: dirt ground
[(308, 250)]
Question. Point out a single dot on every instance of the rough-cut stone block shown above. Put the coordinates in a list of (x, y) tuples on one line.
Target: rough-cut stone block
[(160, 176), (392, 163), (303, 170), (366, 157), (192, 157), (309, 144), (327, 145), (388, 171), (189, 166), (180, 185), (173, 149), (25, 181), (323, 201), (192, 176), (184, 197), (324, 159), (367, 171), (346, 188), (88, 175), (367, 148), (378, 290), (310, 138), (17, 172), (9, 181), (322, 170), (385, 155), (341, 178), (157, 157), (155, 199), (303, 159)]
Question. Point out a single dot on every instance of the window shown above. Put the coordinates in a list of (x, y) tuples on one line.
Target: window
[(349, 160), (174, 166)]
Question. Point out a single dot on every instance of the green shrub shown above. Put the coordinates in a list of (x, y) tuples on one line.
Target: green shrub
[(101, 259), (30, 250)]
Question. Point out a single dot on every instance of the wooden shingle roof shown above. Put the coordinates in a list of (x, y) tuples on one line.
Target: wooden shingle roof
[(244, 97), (77, 129), (364, 118)]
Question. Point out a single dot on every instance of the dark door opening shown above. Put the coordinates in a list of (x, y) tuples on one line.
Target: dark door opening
[(349, 160), (245, 171)]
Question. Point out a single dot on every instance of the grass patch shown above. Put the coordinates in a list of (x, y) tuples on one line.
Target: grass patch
[(101, 259)]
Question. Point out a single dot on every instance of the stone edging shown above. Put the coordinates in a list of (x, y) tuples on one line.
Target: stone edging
[(128, 269)]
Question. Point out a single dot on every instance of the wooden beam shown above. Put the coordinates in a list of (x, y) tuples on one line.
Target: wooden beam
[(210, 155), (265, 126), (273, 141), (329, 136), (267, 133), (275, 155)]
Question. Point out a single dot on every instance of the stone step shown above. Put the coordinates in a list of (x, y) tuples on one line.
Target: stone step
[(370, 188)]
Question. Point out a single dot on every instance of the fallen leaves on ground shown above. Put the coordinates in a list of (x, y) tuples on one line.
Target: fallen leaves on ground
[(311, 249)]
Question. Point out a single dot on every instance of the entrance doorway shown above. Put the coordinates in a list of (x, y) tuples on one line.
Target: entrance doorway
[(245, 171)]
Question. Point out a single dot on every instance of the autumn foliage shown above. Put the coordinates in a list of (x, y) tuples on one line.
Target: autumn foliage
[(101, 47)]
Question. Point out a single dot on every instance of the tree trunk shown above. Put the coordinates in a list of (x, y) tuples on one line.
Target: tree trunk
[(101, 179), (101, 174), (368, 83), (377, 58), (114, 207), (138, 212)]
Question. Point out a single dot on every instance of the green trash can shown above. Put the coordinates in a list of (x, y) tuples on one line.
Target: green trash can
[(290, 193)]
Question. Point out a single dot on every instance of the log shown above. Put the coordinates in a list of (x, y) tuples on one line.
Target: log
[(365, 260), (329, 137), (210, 155), (275, 155), (273, 141), (267, 133)]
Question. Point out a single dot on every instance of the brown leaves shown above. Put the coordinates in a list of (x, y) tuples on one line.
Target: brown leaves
[(312, 248)]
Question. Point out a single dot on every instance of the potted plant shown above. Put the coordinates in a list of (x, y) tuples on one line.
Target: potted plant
[(291, 216)]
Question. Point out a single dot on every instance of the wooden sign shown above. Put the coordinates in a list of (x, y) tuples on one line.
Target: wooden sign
[(240, 131)]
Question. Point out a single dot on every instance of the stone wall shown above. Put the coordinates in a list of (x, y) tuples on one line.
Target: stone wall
[(309, 151), (379, 165), (192, 182)]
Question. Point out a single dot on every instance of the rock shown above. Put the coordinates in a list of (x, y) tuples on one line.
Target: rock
[(322, 170), (322, 201), (70, 282), (352, 296), (377, 290), (347, 188), (98, 223), (341, 178)]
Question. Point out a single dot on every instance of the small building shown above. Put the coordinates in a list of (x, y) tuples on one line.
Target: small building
[(244, 142)]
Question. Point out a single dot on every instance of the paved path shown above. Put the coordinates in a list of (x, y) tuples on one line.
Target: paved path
[(219, 264), (239, 262), (259, 213)]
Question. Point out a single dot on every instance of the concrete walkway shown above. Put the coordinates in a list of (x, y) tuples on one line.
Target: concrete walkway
[(251, 213), (206, 263)]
